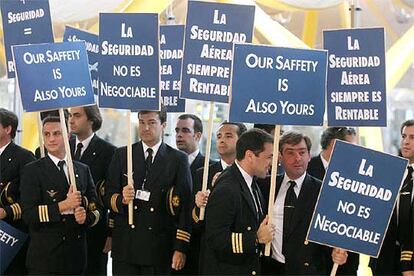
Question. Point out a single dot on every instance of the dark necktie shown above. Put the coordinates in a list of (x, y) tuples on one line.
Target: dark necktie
[(289, 209), (148, 160), (257, 200), (78, 151), (404, 214), (61, 164)]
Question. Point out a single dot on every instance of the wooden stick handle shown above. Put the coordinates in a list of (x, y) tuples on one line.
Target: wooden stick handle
[(207, 155), (129, 168), (334, 269), (41, 142), (273, 180), (71, 172)]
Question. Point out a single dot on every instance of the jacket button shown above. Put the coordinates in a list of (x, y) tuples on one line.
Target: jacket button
[(64, 219), (132, 226), (249, 228), (135, 207), (54, 200), (306, 242), (253, 272), (79, 236), (306, 264), (151, 209), (150, 228), (64, 238)]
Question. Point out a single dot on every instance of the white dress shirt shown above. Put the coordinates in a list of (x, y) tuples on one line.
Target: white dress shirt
[(277, 217)]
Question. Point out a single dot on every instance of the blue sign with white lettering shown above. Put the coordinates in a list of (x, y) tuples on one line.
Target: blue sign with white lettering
[(129, 66), (171, 53), (92, 48), (53, 75), (357, 199), (274, 85), (11, 240), (211, 30), (24, 22), (356, 77)]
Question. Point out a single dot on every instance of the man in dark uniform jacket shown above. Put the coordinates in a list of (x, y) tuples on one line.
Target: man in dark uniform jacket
[(12, 160), (235, 218), (296, 195), (160, 236), (317, 168), (188, 133), (57, 215), (396, 255), (88, 148), (227, 136)]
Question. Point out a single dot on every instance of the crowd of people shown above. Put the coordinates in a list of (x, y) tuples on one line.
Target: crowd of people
[(72, 228)]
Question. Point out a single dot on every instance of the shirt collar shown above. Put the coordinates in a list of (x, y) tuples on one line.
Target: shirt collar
[(154, 148), (247, 177), (224, 165), (192, 156), (56, 160), (299, 181), (325, 162), (85, 142), (4, 147)]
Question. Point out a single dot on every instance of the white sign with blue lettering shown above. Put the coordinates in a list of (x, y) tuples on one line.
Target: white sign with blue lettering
[(171, 53), (92, 48), (356, 77), (211, 30), (274, 85), (24, 22), (53, 75), (357, 198), (129, 66)]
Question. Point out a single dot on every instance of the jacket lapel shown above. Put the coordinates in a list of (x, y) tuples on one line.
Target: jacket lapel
[(91, 151), (6, 158), (303, 203), (157, 164), (54, 175), (245, 190), (138, 167)]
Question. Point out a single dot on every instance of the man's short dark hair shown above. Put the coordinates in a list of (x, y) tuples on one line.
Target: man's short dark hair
[(294, 138), (407, 123), (162, 114), (54, 113), (8, 118), (198, 125), (94, 115), (332, 133), (241, 128), (53, 119), (253, 140)]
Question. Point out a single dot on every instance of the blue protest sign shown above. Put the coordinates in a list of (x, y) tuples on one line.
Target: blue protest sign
[(356, 77), (53, 75), (11, 240), (171, 54), (129, 66), (357, 198), (211, 30), (24, 22), (92, 48), (273, 85)]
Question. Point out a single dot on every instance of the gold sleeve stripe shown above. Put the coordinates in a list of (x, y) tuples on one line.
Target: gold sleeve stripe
[(111, 223), (183, 237), (43, 213), (113, 202), (97, 216), (405, 259), (237, 242), (170, 202), (406, 252), (196, 219), (240, 242), (233, 242), (17, 211), (183, 232)]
